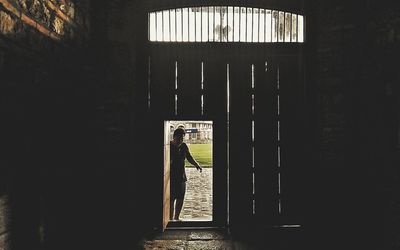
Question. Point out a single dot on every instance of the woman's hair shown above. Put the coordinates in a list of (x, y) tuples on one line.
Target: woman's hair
[(179, 132)]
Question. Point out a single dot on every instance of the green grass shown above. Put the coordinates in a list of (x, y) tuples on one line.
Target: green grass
[(202, 153)]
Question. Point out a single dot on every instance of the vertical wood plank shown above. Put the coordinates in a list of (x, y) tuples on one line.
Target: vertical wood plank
[(292, 136), (215, 109), (189, 85), (240, 142), (266, 141), (162, 88)]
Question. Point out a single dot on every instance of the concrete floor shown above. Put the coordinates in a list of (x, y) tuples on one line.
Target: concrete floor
[(194, 240), (213, 239)]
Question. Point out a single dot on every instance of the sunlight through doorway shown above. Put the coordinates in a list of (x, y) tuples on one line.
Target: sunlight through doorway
[(198, 195)]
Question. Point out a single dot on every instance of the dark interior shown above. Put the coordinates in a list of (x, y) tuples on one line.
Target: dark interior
[(81, 141)]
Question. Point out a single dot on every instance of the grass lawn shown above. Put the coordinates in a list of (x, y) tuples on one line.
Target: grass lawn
[(202, 153)]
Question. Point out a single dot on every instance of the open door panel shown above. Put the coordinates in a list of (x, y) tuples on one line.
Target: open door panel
[(166, 185)]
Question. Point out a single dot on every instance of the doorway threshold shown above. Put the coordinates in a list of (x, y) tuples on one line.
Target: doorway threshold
[(191, 224)]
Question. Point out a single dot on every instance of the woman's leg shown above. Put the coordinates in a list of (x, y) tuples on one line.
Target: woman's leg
[(178, 208), (179, 202)]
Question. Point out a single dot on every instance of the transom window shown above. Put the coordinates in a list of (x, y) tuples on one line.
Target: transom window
[(225, 24)]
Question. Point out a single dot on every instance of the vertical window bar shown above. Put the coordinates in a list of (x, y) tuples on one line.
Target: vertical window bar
[(192, 25), (246, 25), (210, 38), (201, 24), (182, 22), (208, 23), (225, 32), (265, 25), (172, 25), (300, 36), (252, 24), (277, 26), (152, 27), (227, 24), (176, 27), (221, 19), (179, 25), (214, 23), (233, 23), (169, 22), (166, 21), (199, 31), (284, 27), (272, 30), (288, 29), (298, 30), (259, 14), (291, 28), (195, 23), (220, 24), (156, 26), (230, 24), (294, 28), (162, 25), (240, 16)]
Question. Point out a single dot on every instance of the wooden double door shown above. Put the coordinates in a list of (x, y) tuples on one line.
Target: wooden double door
[(255, 96)]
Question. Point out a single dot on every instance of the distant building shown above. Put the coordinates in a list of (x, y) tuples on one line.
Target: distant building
[(196, 131)]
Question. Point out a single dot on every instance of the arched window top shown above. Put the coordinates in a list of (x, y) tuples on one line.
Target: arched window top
[(225, 24)]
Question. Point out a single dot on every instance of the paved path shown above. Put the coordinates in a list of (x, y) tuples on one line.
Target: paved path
[(198, 198)]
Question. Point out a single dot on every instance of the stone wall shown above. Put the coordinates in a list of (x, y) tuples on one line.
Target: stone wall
[(40, 41)]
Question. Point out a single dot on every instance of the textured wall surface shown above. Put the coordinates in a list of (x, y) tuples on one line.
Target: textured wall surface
[(38, 40), (354, 46)]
